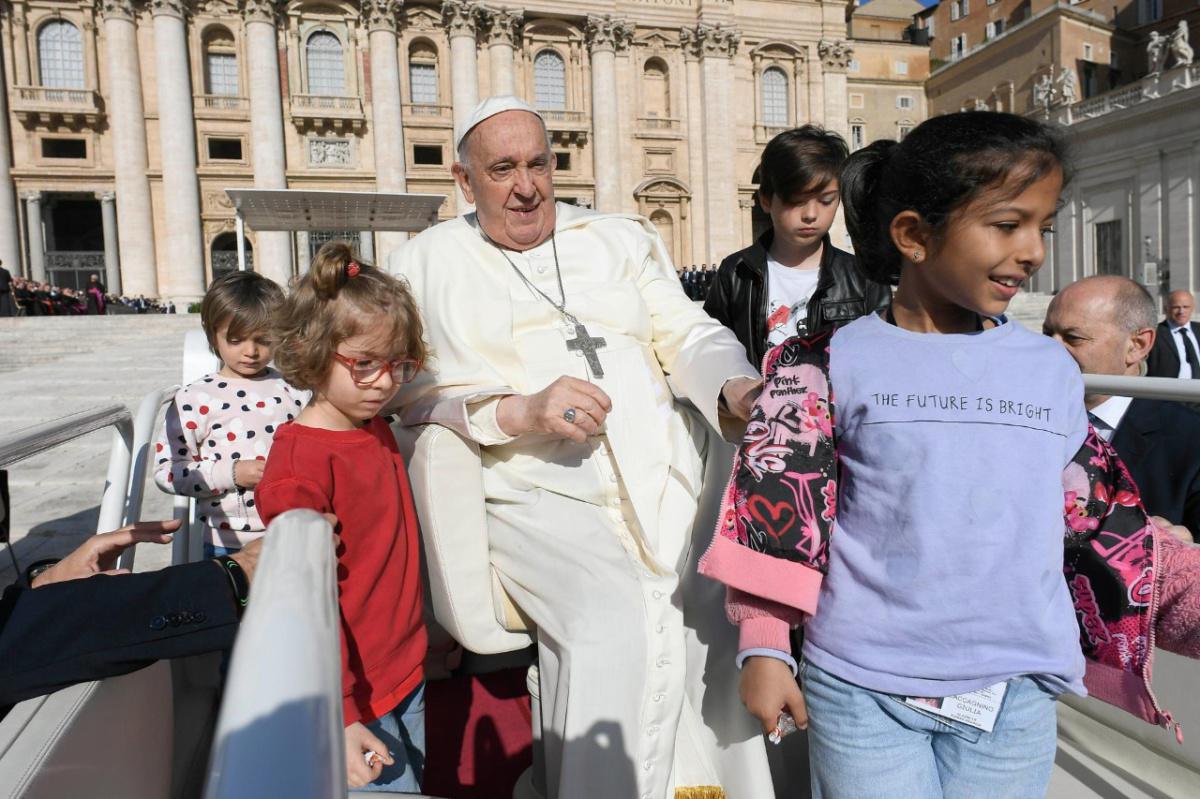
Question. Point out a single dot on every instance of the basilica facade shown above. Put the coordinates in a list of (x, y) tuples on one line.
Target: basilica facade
[(122, 122)]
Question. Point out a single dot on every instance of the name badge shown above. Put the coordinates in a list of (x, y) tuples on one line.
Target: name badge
[(977, 709)]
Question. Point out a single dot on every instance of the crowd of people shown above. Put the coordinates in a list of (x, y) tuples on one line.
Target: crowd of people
[(23, 297), (962, 526)]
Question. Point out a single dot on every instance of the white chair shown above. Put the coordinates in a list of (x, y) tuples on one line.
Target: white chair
[(465, 593)]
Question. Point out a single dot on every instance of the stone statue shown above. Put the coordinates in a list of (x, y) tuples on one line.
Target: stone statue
[(1043, 92), (1180, 48), (981, 105), (1066, 87), (1156, 52)]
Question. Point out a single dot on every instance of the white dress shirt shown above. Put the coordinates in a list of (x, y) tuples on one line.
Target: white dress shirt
[(1110, 412), (1185, 368)]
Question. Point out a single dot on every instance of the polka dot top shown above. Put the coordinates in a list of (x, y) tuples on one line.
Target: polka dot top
[(212, 424)]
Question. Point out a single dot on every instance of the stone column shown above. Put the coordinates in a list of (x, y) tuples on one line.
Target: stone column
[(800, 82), (366, 245), (112, 261), (461, 18), (381, 18), (835, 59), (127, 116), (303, 255), (184, 265), (604, 36), (503, 33), (717, 45), (20, 29), (10, 247), (273, 250), (697, 164), (37, 243)]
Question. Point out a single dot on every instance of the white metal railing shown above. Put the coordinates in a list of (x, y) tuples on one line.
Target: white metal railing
[(29, 441), (145, 423), (1162, 388), (279, 732)]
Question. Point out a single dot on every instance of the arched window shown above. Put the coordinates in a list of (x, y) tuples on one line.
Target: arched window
[(220, 63), (656, 89), (550, 81), (774, 98), (422, 74), (326, 67), (60, 55)]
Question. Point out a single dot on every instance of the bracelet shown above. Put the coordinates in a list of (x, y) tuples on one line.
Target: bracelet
[(237, 580), (37, 568)]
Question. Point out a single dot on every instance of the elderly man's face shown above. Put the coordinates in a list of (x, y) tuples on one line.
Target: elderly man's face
[(1083, 317), (1179, 307), (508, 175)]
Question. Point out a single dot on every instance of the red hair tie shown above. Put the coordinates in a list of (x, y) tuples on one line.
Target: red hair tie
[(352, 269)]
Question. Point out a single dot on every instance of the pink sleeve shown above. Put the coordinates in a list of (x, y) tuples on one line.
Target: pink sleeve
[(762, 624), (1178, 625)]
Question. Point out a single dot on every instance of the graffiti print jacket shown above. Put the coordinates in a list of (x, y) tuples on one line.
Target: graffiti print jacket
[(1117, 564)]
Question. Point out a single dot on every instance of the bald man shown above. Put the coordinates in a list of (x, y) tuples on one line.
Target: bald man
[(1107, 324), (1176, 350)]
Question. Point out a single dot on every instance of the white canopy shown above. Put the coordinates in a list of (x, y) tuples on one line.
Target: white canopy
[(312, 209)]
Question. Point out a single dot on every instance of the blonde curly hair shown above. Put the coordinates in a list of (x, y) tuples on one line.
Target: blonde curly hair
[(342, 297)]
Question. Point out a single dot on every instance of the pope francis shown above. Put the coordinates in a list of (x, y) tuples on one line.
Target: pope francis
[(564, 345)]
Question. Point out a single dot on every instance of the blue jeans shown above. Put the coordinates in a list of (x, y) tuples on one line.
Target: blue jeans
[(864, 743), (212, 550), (403, 730)]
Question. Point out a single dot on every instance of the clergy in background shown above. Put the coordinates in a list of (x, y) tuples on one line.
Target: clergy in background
[(564, 346)]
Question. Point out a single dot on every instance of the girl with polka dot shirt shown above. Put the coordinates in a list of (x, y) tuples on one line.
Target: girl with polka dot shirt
[(219, 429)]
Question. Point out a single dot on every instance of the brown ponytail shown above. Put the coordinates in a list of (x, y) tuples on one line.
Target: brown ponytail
[(339, 298)]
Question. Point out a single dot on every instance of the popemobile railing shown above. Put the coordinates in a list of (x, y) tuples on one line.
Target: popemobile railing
[(1161, 388), (280, 728), (114, 499)]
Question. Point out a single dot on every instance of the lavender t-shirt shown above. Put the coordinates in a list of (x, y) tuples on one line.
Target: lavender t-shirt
[(946, 565)]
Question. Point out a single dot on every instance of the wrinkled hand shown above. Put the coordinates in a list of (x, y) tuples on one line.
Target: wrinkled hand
[(1177, 530), (740, 394), (768, 688), (359, 741), (247, 558), (542, 412), (99, 554), (248, 473)]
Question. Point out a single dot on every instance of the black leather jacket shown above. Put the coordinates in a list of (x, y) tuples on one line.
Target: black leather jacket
[(738, 297)]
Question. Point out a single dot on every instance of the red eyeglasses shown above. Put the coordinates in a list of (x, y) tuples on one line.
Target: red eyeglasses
[(364, 371)]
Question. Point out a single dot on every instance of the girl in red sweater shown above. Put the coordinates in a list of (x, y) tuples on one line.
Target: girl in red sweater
[(351, 334)]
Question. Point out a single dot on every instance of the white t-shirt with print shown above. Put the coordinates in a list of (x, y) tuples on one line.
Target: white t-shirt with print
[(789, 290)]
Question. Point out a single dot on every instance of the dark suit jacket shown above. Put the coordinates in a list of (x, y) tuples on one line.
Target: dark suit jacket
[(102, 626), (1160, 443), (1164, 358)]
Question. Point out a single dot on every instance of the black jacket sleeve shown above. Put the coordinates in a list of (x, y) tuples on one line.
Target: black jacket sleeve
[(102, 626), (716, 304)]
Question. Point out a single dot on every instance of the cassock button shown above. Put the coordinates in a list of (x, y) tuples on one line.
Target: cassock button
[(541, 270), (648, 765), (658, 697), (659, 628), (657, 595), (662, 663), (612, 478), (652, 730)]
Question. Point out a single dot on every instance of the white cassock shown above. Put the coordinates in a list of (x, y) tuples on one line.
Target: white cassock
[(594, 541)]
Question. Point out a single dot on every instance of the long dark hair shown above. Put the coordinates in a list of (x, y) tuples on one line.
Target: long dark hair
[(941, 166)]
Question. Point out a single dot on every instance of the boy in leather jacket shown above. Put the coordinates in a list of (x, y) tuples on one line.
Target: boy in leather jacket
[(793, 280)]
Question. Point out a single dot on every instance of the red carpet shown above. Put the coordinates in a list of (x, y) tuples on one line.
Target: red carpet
[(478, 735)]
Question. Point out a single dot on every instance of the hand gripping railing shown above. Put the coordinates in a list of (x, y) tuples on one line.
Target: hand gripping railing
[(280, 728), (26, 442)]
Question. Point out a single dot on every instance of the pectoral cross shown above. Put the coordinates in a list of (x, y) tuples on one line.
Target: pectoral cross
[(585, 345)]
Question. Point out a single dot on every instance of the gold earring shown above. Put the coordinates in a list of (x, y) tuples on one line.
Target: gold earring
[(917, 256)]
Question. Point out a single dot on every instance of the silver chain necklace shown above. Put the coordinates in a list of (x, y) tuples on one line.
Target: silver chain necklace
[(583, 343)]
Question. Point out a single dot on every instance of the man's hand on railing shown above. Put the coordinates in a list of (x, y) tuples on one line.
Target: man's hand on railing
[(99, 554), (1177, 530)]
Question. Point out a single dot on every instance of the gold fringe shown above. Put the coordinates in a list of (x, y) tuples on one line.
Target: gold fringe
[(700, 792)]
